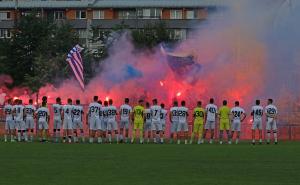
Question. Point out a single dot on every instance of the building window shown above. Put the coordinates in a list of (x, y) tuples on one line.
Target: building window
[(5, 16), (27, 13), (176, 14), (178, 34), (190, 14), (5, 33), (127, 14), (80, 14), (59, 15), (149, 13), (98, 14), (82, 33)]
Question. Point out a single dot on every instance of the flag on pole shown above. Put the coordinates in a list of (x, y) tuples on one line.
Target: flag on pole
[(75, 61), (181, 63)]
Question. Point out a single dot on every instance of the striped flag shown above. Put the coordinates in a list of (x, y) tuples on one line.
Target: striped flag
[(75, 61)]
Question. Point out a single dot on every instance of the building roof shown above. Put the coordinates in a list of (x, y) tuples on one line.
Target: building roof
[(108, 3)]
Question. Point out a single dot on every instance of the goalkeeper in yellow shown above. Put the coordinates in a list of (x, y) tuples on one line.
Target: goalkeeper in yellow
[(138, 121), (224, 115), (198, 115)]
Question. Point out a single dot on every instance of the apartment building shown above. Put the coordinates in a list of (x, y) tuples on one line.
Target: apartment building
[(180, 16)]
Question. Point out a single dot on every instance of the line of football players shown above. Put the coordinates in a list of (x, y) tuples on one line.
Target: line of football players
[(148, 122)]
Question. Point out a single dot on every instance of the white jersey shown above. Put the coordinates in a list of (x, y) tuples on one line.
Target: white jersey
[(257, 112), (174, 114), (42, 114), (68, 109), (148, 117), (8, 109), (155, 113), (104, 111), (29, 111), (94, 110), (111, 113), (163, 115), (271, 110), (19, 110), (57, 108), (237, 113), (182, 114), (77, 112), (125, 112), (211, 111)]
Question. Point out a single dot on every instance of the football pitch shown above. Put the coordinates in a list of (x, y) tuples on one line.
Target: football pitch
[(72, 164)]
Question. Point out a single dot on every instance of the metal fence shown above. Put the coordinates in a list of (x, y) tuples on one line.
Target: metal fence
[(285, 131)]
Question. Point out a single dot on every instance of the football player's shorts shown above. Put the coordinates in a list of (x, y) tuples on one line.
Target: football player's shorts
[(198, 128), (224, 124), (20, 125), (210, 125), (174, 126), (182, 126), (29, 122), (257, 124), (104, 125), (156, 126), (112, 125), (42, 124), (57, 123), (77, 124), (9, 124), (95, 123), (68, 124), (236, 125), (147, 126), (138, 124), (271, 125), (124, 123)]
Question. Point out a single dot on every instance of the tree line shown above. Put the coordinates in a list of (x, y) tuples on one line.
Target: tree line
[(36, 53)]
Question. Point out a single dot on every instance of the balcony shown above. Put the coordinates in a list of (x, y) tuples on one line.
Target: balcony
[(7, 24), (131, 23), (140, 23)]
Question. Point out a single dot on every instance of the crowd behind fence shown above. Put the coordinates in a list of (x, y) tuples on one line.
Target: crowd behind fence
[(286, 130)]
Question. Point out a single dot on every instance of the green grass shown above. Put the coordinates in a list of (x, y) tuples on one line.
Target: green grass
[(43, 164)]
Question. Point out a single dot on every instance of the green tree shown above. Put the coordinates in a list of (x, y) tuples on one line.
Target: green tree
[(150, 36), (36, 53)]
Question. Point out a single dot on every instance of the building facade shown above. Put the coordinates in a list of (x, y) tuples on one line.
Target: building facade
[(179, 16)]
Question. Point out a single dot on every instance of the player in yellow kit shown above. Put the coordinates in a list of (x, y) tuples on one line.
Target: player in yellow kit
[(138, 121), (224, 115), (199, 113)]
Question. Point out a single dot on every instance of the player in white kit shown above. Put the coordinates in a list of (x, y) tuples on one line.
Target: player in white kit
[(9, 121), (182, 123), (57, 121), (238, 116), (77, 121), (156, 124), (68, 121), (94, 121), (147, 122), (43, 117), (125, 112), (111, 122), (173, 116), (211, 112), (257, 113), (163, 118), (19, 120), (104, 124), (271, 114), (29, 119)]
